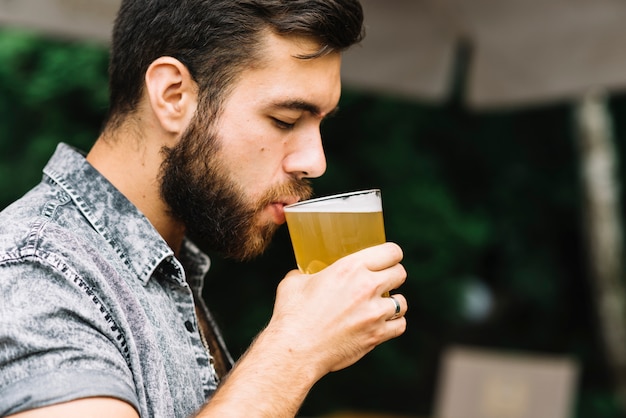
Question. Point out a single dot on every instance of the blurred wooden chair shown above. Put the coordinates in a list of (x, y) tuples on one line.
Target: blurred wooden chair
[(478, 383), (362, 414)]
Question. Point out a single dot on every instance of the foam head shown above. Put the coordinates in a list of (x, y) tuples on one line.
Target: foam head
[(361, 201)]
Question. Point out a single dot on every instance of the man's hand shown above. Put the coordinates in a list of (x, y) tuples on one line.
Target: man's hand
[(336, 316)]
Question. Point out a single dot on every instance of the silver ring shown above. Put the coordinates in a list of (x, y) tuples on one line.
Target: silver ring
[(396, 314)]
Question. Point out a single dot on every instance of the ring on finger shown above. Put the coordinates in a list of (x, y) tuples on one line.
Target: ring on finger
[(396, 313)]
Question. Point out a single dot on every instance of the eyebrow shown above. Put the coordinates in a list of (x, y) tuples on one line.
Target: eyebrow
[(304, 106)]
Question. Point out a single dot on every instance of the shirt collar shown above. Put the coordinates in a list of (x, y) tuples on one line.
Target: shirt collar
[(115, 218)]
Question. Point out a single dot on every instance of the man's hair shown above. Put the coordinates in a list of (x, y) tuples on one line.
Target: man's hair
[(216, 40)]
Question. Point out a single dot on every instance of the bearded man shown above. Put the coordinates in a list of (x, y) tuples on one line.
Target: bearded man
[(215, 110)]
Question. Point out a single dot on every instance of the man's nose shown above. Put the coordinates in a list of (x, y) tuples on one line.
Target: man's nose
[(307, 159)]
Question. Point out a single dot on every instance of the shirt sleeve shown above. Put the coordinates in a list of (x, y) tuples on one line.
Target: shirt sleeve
[(55, 344)]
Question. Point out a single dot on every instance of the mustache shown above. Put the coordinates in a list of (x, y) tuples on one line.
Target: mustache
[(301, 189)]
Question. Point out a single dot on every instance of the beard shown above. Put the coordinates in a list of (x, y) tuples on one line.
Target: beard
[(200, 192)]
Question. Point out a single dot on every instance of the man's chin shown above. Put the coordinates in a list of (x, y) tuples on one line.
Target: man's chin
[(246, 249)]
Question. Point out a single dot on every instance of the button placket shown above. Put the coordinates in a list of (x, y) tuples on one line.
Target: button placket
[(182, 295)]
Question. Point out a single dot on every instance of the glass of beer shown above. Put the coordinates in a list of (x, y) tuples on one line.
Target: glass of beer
[(324, 229)]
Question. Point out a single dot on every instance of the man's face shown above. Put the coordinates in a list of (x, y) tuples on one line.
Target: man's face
[(228, 180)]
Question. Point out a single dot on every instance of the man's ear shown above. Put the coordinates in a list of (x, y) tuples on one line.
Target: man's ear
[(172, 94)]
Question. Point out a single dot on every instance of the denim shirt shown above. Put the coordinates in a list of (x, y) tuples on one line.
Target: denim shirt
[(93, 301)]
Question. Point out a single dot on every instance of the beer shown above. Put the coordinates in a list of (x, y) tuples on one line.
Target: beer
[(324, 230), (321, 238)]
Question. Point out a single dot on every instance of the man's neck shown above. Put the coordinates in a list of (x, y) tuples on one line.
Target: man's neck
[(132, 166)]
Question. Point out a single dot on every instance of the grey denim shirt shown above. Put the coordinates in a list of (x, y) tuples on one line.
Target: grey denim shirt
[(93, 301)]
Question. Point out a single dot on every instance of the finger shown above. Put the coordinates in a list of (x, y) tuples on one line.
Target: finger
[(399, 326), (394, 328), (381, 257), (293, 273), (399, 307), (391, 278)]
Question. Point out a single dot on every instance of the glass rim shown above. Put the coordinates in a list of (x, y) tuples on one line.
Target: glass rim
[(332, 197)]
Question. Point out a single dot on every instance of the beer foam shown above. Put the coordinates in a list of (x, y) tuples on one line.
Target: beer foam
[(367, 201)]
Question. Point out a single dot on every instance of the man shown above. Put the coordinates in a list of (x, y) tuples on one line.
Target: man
[(214, 126)]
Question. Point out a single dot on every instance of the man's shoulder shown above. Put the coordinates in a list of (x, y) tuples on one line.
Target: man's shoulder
[(44, 217), (17, 219)]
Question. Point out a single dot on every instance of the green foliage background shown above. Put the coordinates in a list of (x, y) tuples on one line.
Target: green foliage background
[(478, 201)]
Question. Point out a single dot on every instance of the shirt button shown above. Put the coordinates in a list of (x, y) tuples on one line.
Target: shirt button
[(189, 326)]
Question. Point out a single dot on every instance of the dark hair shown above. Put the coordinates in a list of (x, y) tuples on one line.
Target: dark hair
[(216, 39)]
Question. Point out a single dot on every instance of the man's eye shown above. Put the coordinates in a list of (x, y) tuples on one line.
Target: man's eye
[(282, 124)]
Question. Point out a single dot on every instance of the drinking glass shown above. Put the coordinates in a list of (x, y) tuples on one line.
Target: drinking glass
[(325, 229)]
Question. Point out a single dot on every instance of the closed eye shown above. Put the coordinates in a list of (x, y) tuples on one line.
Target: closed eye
[(282, 124)]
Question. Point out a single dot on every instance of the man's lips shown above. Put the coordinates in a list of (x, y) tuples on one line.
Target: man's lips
[(277, 208)]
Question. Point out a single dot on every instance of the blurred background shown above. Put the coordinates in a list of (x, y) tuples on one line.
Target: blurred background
[(495, 129)]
